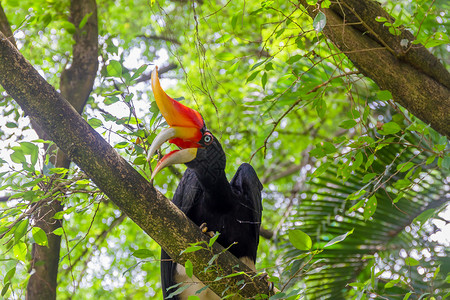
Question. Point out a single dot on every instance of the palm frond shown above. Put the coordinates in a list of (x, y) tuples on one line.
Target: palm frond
[(375, 253)]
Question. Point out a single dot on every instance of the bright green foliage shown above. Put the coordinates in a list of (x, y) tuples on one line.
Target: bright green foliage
[(300, 240), (353, 184)]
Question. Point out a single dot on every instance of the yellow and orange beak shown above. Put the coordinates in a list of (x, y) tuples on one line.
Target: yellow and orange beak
[(184, 131)]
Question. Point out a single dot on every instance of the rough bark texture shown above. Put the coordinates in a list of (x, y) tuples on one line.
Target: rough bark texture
[(77, 81), (76, 85), (5, 28), (132, 193), (415, 78)]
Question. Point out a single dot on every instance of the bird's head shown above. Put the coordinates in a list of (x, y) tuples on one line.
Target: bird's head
[(187, 130)]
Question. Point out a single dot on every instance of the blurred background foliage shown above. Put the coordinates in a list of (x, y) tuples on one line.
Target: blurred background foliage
[(339, 160)]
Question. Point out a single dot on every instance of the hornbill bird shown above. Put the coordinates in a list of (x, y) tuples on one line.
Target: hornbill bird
[(204, 194)]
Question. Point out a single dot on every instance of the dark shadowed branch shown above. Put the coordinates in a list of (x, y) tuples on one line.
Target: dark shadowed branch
[(415, 78)]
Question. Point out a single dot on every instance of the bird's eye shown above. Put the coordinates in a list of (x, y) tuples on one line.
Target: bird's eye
[(207, 139)]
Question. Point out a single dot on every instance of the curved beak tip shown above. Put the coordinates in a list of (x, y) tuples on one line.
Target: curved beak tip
[(175, 157)]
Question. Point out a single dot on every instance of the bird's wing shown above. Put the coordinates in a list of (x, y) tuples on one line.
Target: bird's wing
[(246, 183), (187, 193)]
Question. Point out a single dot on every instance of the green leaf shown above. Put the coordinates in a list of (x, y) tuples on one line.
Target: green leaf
[(59, 215), (328, 148), (278, 296), (224, 38), (113, 93), (368, 257), (294, 59), (409, 261), (357, 284), (39, 236), (189, 268), (391, 283), (138, 72), (11, 125), (440, 38), (436, 272), (30, 149), (405, 166), (300, 240), (322, 168), (143, 253), (193, 297), (358, 160), (95, 123), (191, 249), (225, 56), (9, 275), (380, 19), (390, 128), (407, 295), (5, 289), (58, 170), (20, 251), (347, 124), (384, 95), (17, 156), (234, 20), (140, 160), (359, 204), (369, 161), (368, 177), (21, 229), (84, 20), (339, 238), (424, 216), (114, 69), (233, 68), (425, 296), (252, 76), (446, 162), (69, 26), (321, 108), (319, 22), (264, 80), (121, 145), (402, 183), (213, 239), (370, 207), (325, 4), (179, 290), (58, 231), (356, 195)]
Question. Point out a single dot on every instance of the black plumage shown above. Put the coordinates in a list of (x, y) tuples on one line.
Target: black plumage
[(231, 208)]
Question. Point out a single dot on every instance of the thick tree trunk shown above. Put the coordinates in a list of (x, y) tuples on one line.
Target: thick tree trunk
[(132, 193), (415, 78), (76, 85)]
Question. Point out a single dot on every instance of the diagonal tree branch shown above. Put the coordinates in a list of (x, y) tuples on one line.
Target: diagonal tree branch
[(159, 38), (415, 80), (162, 70), (364, 15), (131, 192)]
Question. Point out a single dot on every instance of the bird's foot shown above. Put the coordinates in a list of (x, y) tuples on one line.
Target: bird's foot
[(204, 229), (272, 288)]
